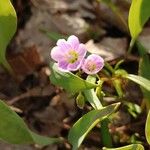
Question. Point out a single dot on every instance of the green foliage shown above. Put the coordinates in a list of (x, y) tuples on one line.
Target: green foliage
[(138, 15), (69, 81), (147, 128), (91, 96), (133, 109), (80, 100), (8, 25), (144, 68), (145, 83), (14, 130), (117, 84), (85, 124), (128, 147)]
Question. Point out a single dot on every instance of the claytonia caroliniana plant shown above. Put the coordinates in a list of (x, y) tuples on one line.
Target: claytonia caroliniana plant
[(70, 56), (71, 61)]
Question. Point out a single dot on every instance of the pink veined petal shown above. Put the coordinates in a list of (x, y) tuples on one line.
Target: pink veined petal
[(73, 41), (75, 66), (93, 59), (62, 43), (96, 58), (100, 65), (82, 50), (63, 65), (85, 69), (56, 53)]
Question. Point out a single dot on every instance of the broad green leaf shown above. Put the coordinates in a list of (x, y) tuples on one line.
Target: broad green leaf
[(147, 128), (8, 25), (128, 147), (91, 96), (14, 130), (144, 65), (85, 124), (138, 15), (145, 83), (69, 81)]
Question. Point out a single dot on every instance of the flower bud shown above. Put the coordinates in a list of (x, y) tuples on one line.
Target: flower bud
[(80, 101)]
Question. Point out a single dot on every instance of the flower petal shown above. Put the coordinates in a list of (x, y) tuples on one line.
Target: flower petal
[(82, 50), (96, 58), (63, 65), (93, 64), (73, 41), (75, 66), (62, 43), (56, 53)]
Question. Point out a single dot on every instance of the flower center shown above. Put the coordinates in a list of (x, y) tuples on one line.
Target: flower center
[(73, 56), (91, 66)]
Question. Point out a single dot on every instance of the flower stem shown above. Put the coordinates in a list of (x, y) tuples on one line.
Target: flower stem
[(106, 137), (109, 67), (130, 46), (97, 104)]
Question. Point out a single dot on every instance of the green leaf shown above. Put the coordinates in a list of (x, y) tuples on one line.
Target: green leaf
[(138, 15), (85, 124), (80, 100), (133, 108), (8, 25), (144, 68), (145, 83), (69, 81), (91, 96), (14, 130), (147, 128), (128, 147)]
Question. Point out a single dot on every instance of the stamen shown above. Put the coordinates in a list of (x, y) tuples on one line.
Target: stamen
[(73, 56), (91, 66)]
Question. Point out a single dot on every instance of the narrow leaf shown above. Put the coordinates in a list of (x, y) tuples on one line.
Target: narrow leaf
[(85, 124), (128, 147), (147, 128), (143, 68), (8, 25), (69, 81), (43, 140), (14, 130), (91, 96), (138, 15), (145, 83)]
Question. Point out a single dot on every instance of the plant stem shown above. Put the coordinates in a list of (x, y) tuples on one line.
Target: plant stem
[(131, 46), (109, 67), (105, 134), (7, 66), (106, 137), (97, 104)]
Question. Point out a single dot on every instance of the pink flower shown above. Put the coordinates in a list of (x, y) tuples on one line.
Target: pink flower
[(93, 64), (69, 54)]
